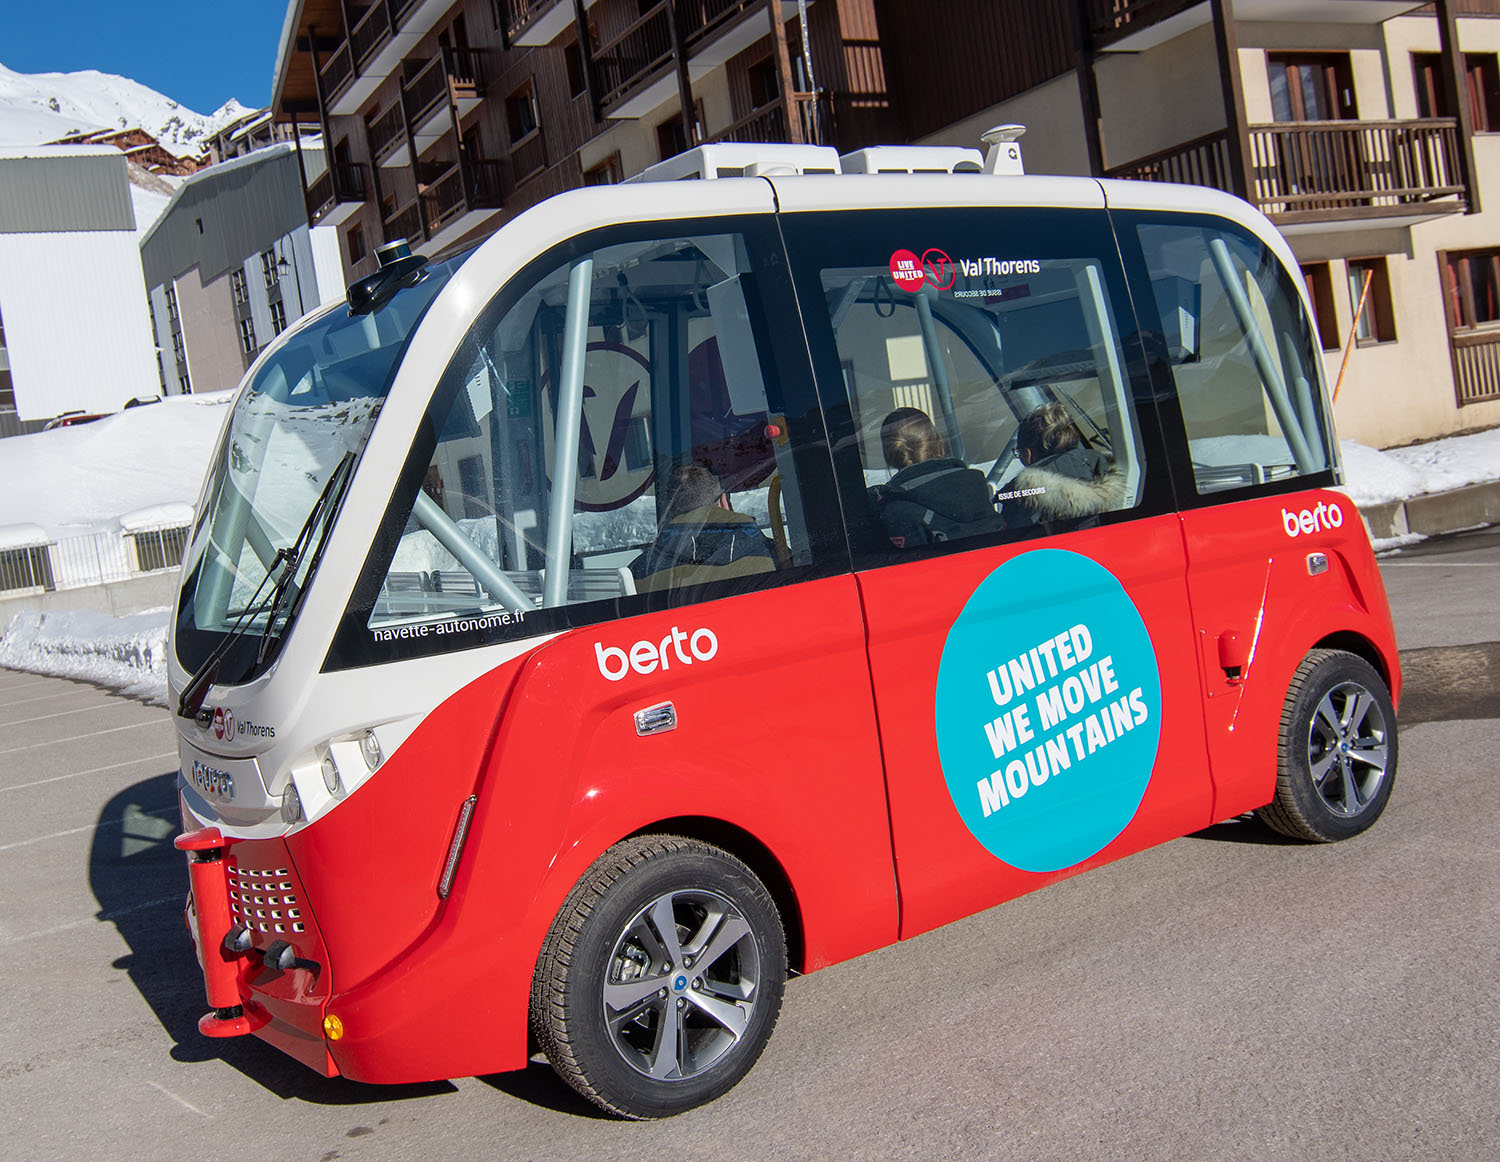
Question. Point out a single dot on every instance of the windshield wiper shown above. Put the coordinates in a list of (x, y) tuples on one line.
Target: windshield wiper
[(190, 703)]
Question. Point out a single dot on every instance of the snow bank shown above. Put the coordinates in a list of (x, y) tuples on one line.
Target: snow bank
[(126, 654)]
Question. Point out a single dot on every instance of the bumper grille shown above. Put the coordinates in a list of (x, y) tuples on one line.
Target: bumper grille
[(264, 900)]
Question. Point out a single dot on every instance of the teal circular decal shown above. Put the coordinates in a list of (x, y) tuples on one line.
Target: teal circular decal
[(1048, 710)]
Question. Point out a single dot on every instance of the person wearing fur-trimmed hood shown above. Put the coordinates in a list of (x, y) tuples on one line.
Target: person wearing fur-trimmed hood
[(1062, 477)]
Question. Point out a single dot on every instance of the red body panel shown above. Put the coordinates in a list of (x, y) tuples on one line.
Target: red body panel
[(1248, 575), (944, 871), (776, 738)]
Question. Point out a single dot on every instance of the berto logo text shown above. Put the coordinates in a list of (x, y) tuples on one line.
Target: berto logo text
[(1312, 520), (645, 657)]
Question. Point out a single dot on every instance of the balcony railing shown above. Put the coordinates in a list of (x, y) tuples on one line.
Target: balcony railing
[(527, 156), (769, 122), (462, 187), (1313, 171), (1325, 169), (371, 31), (340, 183), (1204, 161), (337, 72), (625, 62), (1476, 365), (406, 223), (518, 14), (1110, 20), (386, 133), (426, 89), (700, 19), (466, 72)]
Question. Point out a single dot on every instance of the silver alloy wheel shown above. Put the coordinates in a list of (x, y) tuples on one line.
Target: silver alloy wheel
[(682, 984), (1346, 748)]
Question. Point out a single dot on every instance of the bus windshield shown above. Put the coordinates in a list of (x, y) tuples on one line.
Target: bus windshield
[(311, 403)]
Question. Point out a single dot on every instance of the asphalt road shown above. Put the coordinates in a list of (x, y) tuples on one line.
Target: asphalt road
[(1228, 995)]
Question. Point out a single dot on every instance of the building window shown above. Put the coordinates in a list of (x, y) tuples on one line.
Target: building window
[(356, 240), (1471, 280), (172, 304), (672, 138), (238, 287), (1311, 86), (268, 267), (247, 336), (1482, 73), (1319, 279), (577, 76), (278, 317), (2, 332), (1376, 323), (765, 83), (520, 113), (606, 173)]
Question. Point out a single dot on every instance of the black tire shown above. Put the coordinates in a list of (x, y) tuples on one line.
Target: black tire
[(1338, 750), (647, 1052)]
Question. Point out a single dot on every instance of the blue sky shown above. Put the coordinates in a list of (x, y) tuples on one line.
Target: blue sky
[(198, 52)]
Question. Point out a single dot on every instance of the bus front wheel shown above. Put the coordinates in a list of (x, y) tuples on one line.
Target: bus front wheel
[(1337, 754), (661, 979)]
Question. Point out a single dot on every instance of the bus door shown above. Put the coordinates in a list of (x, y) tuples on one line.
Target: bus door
[(1248, 430), (621, 468), (1021, 570)]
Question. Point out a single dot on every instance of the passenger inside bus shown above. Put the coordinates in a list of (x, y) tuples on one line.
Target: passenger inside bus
[(933, 497), (1062, 476), (701, 538)]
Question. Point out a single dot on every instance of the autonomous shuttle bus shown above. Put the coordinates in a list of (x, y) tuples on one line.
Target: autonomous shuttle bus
[(704, 581)]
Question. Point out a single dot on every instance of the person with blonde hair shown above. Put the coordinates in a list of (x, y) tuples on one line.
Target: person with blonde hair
[(1061, 476), (933, 497)]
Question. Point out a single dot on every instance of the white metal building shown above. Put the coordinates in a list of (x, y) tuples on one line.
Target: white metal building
[(231, 263), (74, 331)]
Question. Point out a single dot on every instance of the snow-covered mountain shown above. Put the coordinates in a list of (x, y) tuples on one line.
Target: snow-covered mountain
[(40, 107)]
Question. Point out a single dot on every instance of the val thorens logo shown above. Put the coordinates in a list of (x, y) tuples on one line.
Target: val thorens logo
[(223, 724)]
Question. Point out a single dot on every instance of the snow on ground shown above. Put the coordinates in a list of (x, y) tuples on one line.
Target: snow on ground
[(126, 654), (147, 464)]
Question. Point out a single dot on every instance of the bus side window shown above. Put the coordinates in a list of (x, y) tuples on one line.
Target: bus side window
[(607, 433), (990, 398), (1241, 353)]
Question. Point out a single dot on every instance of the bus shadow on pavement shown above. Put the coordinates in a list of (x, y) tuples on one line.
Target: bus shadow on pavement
[(140, 882), (538, 1085)]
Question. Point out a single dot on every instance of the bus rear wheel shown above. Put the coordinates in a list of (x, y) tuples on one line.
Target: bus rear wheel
[(661, 979), (1338, 749)]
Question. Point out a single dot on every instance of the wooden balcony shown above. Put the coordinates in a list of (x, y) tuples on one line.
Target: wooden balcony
[(337, 73), (527, 156), (340, 187), (1313, 172), (464, 187), (406, 223), (1476, 365), (700, 20), (519, 14), (769, 122), (386, 135), (631, 59), (425, 91), (1113, 20)]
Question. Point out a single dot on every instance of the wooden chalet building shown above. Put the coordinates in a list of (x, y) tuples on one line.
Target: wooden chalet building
[(1365, 128)]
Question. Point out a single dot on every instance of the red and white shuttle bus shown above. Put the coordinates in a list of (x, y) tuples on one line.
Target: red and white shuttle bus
[(704, 581)]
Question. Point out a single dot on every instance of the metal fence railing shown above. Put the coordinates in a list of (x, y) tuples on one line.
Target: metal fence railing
[(92, 559)]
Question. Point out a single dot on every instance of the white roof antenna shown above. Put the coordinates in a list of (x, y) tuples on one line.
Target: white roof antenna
[(1004, 153)]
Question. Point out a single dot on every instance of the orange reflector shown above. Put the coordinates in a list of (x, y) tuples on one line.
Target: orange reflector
[(333, 1028)]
